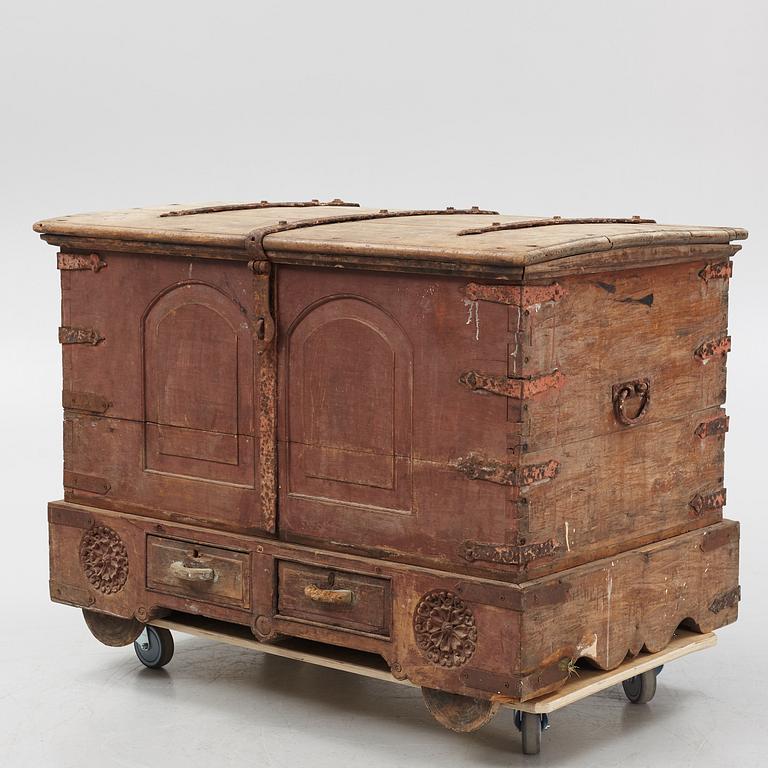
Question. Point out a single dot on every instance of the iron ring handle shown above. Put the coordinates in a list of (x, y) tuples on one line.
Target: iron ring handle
[(622, 392)]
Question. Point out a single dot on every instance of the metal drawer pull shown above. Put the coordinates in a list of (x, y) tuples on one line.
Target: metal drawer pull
[(191, 573), (329, 596)]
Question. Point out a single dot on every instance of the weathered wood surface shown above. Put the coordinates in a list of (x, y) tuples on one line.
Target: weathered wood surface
[(465, 635), (434, 237)]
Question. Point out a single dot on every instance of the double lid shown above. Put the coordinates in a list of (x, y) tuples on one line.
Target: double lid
[(340, 232)]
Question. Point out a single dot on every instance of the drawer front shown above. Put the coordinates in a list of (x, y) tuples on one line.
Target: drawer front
[(188, 569), (334, 598)]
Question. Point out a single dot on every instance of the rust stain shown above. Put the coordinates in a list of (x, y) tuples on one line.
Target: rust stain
[(68, 335), (477, 467), (729, 599), (719, 271), (515, 295), (507, 554), (539, 473), (518, 388), (717, 425), (713, 348), (74, 261), (538, 384), (707, 503)]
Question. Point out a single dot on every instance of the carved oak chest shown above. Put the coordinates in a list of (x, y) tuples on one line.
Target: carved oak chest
[(481, 446)]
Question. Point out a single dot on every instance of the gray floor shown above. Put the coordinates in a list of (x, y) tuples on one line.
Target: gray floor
[(68, 701)]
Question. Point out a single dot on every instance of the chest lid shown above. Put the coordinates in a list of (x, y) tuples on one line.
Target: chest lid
[(340, 233)]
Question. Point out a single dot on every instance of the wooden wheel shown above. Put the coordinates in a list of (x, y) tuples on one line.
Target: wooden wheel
[(112, 630), (463, 714)]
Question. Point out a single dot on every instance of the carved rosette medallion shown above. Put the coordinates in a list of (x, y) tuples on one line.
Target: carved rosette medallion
[(104, 559), (444, 628)]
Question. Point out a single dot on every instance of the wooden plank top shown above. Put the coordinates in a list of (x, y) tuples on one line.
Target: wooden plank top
[(472, 237)]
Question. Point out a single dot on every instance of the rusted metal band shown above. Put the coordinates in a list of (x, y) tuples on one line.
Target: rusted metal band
[(729, 599), (507, 554), (267, 388), (719, 271), (550, 222), (84, 401), (68, 335), (717, 425), (515, 295), (83, 482), (709, 502), (255, 240), (79, 261), (265, 323), (713, 348), (517, 388), (336, 202), (477, 467)]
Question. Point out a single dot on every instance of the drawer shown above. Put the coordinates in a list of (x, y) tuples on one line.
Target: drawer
[(334, 598), (209, 574)]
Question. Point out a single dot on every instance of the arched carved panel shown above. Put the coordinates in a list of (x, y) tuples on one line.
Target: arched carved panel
[(350, 371), (198, 386)]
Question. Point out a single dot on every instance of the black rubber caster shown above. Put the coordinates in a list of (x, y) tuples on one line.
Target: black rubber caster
[(531, 726), (640, 689), (154, 647)]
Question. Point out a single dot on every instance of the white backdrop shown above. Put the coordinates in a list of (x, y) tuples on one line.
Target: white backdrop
[(589, 108)]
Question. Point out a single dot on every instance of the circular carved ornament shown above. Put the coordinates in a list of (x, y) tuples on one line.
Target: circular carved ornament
[(104, 559), (445, 629)]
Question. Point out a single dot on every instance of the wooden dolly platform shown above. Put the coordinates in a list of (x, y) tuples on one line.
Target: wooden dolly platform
[(638, 675)]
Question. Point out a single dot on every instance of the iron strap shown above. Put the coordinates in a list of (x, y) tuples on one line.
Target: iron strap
[(255, 238)]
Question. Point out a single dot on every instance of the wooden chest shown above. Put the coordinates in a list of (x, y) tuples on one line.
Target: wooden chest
[(481, 446)]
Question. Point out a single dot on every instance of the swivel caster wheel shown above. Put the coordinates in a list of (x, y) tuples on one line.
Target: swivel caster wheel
[(531, 726), (640, 689), (154, 647)]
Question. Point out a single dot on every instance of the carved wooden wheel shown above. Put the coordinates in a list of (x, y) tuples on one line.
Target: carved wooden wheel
[(112, 630), (463, 714)]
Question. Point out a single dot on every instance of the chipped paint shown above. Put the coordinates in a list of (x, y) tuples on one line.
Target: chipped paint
[(473, 311)]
